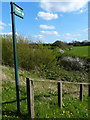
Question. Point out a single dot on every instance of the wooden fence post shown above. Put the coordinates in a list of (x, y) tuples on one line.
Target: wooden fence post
[(30, 97), (81, 92), (60, 94)]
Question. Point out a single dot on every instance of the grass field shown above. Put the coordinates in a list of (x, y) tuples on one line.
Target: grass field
[(45, 98), (81, 51)]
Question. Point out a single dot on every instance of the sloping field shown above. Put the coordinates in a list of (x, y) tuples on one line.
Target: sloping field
[(81, 51)]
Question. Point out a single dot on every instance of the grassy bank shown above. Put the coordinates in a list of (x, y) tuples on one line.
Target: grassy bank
[(45, 98)]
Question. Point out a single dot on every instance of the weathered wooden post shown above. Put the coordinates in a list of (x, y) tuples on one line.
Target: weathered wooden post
[(81, 92), (60, 94), (30, 97)]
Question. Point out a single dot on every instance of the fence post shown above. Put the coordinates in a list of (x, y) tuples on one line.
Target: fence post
[(81, 92), (60, 94), (30, 97)]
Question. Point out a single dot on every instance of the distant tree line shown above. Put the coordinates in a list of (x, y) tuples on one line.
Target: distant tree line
[(65, 45), (59, 44), (78, 43)]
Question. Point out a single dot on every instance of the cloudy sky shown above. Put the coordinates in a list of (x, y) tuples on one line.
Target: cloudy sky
[(47, 21)]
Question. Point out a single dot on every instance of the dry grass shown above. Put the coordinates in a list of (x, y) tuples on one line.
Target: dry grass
[(69, 89)]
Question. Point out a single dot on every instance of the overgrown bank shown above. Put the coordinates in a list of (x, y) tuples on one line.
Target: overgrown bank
[(44, 60)]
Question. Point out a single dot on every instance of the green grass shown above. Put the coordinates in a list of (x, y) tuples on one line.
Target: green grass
[(80, 51), (45, 98), (45, 101), (72, 108)]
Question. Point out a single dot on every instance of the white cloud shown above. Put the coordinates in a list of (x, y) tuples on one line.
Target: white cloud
[(1, 27), (83, 10), (68, 37), (8, 33), (50, 33), (63, 5), (78, 35), (38, 36), (47, 15), (2, 24), (72, 35), (68, 34), (47, 27), (86, 30), (9, 25)]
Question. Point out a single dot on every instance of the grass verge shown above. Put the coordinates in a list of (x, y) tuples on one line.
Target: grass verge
[(45, 99)]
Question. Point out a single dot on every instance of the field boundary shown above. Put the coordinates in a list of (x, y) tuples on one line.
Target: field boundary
[(46, 80), (30, 92)]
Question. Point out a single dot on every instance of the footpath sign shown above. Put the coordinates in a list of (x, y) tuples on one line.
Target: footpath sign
[(18, 11)]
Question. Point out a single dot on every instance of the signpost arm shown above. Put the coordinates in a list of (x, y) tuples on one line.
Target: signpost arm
[(15, 58)]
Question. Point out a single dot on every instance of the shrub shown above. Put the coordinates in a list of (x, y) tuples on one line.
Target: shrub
[(72, 63), (7, 51), (29, 58)]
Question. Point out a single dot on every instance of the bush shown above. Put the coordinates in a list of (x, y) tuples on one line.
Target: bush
[(29, 58), (7, 51), (72, 63)]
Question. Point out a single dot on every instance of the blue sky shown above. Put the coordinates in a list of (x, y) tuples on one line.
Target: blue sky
[(48, 22)]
